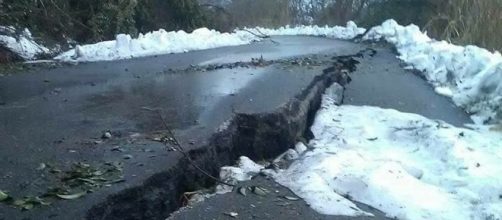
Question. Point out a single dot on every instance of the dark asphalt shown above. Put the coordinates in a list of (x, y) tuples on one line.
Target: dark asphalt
[(55, 116), (382, 81)]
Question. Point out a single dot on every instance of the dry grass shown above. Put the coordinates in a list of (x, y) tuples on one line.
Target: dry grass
[(477, 22)]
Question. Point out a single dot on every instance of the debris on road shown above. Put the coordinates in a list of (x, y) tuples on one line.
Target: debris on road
[(72, 184), (107, 135), (232, 214)]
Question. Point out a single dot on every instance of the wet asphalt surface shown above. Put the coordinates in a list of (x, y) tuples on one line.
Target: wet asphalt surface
[(58, 116), (382, 81)]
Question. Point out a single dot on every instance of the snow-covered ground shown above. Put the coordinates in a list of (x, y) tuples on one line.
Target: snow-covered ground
[(472, 76), (405, 165), (162, 42), (21, 44)]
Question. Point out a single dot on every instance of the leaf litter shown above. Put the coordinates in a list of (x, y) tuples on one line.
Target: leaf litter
[(74, 183)]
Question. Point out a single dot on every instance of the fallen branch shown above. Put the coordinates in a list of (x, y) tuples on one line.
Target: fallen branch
[(261, 35), (180, 148), (256, 35)]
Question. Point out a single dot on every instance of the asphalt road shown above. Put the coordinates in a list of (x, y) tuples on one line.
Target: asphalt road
[(57, 116), (382, 81)]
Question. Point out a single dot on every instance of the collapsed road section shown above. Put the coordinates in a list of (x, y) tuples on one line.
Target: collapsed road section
[(261, 136)]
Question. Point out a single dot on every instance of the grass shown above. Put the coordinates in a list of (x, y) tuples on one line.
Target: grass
[(477, 22)]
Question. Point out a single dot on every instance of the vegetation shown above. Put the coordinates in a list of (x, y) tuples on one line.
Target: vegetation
[(95, 20), (460, 21), (476, 22)]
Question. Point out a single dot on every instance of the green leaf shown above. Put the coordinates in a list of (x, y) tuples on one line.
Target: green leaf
[(71, 196), (3, 196), (27, 206), (290, 198)]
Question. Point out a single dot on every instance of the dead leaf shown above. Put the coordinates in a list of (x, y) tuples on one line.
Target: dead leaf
[(259, 191), (29, 203), (27, 206), (42, 166), (242, 191), (232, 214)]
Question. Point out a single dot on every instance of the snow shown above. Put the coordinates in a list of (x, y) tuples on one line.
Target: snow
[(154, 43), (23, 44), (348, 32), (245, 170), (163, 42), (472, 76), (405, 165)]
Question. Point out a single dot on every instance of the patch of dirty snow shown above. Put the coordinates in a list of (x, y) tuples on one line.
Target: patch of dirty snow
[(245, 170), (472, 76)]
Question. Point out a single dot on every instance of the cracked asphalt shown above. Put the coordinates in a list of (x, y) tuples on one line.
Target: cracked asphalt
[(58, 116)]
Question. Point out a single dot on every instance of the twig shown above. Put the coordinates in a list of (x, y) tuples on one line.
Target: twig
[(258, 30), (261, 35), (180, 148)]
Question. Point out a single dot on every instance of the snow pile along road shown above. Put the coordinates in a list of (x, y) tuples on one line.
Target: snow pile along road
[(405, 165), (472, 76), (338, 32), (162, 42), (154, 43), (21, 44)]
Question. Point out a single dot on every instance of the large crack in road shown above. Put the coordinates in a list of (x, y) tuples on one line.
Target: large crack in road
[(260, 136), (53, 121), (219, 110)]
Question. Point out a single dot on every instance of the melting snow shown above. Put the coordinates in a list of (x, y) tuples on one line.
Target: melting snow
[(405, 165), (349, 32), (245, 170), (163, 42), (23, 44), (472, 76)]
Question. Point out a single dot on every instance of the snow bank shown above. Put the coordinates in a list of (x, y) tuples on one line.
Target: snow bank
[(472, 76), (162, 42), (21, 44), (403, 164), (338, 32), (154, 43)]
